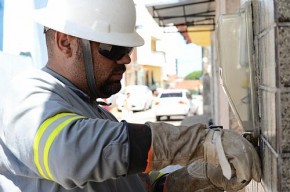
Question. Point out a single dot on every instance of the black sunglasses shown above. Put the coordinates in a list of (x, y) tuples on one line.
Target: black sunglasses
[(114, 52)]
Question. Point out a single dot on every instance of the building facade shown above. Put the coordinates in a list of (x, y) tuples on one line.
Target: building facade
[(271, 48)]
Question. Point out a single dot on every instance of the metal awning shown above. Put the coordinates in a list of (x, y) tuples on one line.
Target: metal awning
[(192, 18)]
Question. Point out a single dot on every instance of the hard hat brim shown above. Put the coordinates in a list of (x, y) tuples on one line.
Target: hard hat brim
[(43, 17)]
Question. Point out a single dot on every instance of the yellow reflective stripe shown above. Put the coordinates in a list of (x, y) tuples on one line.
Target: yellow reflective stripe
[(160, 174), (155, 175), (50, 140), (38, 136)]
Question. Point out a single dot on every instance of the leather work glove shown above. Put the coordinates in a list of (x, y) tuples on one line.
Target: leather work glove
[(214, 158), (182, 180)]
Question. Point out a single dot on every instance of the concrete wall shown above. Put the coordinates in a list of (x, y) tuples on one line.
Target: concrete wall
[(271, 24), (272, 45)]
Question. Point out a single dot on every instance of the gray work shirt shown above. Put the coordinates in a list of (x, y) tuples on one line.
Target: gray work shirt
[(88, 154)]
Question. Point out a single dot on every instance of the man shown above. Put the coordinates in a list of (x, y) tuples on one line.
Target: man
[(55, 137)]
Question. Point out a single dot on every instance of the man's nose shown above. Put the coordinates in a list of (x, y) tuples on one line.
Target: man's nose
[(124, 60)]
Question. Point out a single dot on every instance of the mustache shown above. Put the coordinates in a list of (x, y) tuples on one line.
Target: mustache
[(119, 69)]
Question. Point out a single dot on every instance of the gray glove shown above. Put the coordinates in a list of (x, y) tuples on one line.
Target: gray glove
[(172, 145), (181, 180), (220, 157)]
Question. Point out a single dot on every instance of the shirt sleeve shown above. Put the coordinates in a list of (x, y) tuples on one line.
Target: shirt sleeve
[(60, 142)]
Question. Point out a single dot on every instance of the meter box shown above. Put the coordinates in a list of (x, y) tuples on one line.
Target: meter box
[(235, 47)]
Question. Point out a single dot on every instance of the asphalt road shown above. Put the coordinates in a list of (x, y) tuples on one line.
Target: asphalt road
[(148, 115)]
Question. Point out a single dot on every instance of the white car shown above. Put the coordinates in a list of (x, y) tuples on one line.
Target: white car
[(197, 101), (173, 102), (141, 97)]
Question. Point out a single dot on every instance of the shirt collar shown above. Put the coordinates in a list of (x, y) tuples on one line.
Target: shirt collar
[(67, 83)]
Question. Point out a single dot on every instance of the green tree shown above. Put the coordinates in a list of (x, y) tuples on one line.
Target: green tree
[(195, 75)]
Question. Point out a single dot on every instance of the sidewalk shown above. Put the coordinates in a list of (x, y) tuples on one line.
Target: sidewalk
[(196, 119)]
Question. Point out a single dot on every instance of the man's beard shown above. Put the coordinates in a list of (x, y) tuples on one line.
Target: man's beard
[(110, 88)]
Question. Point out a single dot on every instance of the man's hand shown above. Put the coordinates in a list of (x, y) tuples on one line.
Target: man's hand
[(182, 181), (221, 158), (230, 162)]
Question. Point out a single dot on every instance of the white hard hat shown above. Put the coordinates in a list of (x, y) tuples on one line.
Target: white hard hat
[(104, 21)]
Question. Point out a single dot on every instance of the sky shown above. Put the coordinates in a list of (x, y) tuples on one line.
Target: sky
[(189, 56), (189, 60)]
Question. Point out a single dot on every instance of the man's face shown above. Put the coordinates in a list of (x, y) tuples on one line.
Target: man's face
[(108, 73)]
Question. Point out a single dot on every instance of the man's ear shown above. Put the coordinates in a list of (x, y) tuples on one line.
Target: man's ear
[(63, 43)]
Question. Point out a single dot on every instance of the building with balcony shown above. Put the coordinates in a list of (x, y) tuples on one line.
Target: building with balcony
[(148, 61)]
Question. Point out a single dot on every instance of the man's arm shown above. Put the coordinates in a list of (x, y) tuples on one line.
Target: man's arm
[(214, 158)]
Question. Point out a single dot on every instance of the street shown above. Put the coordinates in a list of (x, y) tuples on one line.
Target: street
[(148, 115)]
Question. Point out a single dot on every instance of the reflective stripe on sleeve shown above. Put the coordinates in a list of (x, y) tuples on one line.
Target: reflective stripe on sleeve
[(41, 152)]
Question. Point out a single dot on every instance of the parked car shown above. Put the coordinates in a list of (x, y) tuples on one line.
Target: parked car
[(141, 97), (173, 102), (197, 101)]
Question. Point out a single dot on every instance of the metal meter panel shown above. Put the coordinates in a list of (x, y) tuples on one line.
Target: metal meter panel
[(234, 37)]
